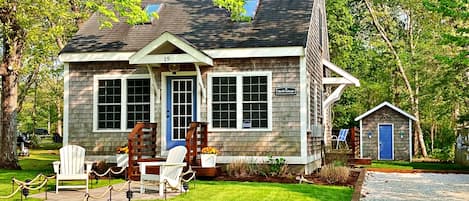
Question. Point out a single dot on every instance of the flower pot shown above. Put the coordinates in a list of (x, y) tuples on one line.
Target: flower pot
[(122, 160), (208, 160)]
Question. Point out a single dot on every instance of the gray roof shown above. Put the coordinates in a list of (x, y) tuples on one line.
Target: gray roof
[(278, 23)]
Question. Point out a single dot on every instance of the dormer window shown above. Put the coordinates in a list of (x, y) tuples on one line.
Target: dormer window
[(152, 11), (251, 8)]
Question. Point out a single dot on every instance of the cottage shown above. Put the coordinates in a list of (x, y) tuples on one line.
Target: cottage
[(260, 85), (386, 133)]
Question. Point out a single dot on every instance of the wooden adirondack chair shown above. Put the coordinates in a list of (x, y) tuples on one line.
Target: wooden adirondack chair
[(71, 167), (170, 171)]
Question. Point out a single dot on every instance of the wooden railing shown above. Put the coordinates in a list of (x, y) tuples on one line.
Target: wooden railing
[(355, 141), (196, 139), (142, 146)]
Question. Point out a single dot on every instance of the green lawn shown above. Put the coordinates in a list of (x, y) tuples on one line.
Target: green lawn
[(231, 191), (405, 165)]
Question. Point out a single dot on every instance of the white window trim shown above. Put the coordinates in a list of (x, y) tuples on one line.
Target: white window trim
[(123, 79), (239, 90)]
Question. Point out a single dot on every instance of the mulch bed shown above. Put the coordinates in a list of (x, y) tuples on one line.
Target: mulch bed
[(291, 179)]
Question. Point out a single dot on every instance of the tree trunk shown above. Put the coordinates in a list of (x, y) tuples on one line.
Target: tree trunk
[(432, 135), (8, 158), (383, 34), (14, 37)]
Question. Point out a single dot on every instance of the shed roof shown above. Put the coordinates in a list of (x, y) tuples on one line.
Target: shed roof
[(278, 23), (382, 105)]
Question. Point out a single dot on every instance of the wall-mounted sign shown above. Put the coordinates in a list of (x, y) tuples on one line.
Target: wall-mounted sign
[(285, 91)]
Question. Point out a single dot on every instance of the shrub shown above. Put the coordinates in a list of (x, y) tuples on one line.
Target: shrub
[(445, 154), (277, 166), (334, 174), (238, 168)]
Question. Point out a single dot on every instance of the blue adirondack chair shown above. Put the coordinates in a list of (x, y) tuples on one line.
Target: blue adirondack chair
[(341, 138)]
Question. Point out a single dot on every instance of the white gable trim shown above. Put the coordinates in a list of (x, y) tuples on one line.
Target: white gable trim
[(95, 56), (256, 52), (142, 56), (382, 105), (213, 53), (347, 77)]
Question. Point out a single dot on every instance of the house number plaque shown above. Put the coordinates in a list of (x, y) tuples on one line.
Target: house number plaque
[(285, 91)]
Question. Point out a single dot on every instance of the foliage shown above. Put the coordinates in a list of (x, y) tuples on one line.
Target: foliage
[(235, 8), (276, 166), (445, 154), (130, 10), (334, 174)]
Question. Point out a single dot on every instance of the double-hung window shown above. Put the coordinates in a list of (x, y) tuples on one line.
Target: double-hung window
[(240, 101), (121, 101)]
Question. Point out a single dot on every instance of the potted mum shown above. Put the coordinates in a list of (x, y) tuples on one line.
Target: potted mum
[(208, 157), (122, 156)]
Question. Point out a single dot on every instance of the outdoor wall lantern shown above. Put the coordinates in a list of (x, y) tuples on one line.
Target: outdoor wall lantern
[(173, 68), (370, 134), (401, 134)]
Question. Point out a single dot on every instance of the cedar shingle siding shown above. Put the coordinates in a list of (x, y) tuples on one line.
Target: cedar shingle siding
[(284, 139)]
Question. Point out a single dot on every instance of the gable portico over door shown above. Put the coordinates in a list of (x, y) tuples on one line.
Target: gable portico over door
[(169, 49)]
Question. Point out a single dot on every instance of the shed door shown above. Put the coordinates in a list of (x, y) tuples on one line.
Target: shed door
[(385, 142), (181, 109)]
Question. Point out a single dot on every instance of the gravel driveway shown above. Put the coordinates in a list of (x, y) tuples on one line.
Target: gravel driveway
[(415, 186)]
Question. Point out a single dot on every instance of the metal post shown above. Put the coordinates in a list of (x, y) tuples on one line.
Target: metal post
[(129, 192), (45, 189), (110, 194)]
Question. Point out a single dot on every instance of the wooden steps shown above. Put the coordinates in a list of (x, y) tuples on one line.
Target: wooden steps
[(142, 147)]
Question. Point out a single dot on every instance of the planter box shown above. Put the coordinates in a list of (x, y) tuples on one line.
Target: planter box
[(122, 160), (208, 160)]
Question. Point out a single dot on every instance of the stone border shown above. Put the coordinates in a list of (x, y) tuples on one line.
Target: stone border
[(358, 185)]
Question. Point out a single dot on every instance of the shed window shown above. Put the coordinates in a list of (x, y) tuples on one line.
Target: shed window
[(240, 101)]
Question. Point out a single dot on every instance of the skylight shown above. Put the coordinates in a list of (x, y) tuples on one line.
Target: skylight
[(251, 8), (151, 10)]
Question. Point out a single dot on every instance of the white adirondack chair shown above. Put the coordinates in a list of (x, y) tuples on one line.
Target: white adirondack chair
[(71, 167), (170, 171)]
